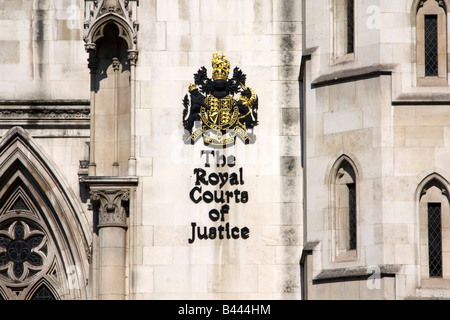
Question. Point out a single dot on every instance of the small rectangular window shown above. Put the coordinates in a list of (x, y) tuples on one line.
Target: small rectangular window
[(434, 240), (350, 26), (352, 215), (431, 45), (344, 22)]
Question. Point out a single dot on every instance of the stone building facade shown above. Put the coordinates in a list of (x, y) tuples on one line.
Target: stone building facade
[(376, 149), (101, 192), (238, 149)]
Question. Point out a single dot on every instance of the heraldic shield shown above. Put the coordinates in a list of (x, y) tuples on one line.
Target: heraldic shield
[(211, 110)]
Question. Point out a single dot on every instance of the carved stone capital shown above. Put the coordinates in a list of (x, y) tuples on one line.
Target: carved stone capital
[(89, 47), (133, 57), (112, 207)]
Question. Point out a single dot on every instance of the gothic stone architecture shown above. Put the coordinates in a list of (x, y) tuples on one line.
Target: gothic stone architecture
[(375, 149), (224, 149)]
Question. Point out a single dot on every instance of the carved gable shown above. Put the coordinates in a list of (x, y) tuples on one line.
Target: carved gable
[(98, 12)]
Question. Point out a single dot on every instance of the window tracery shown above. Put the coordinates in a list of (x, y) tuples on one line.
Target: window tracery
[(23, 250), (26, 251)]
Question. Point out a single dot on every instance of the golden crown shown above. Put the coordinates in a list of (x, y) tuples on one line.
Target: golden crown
[(221, 67)]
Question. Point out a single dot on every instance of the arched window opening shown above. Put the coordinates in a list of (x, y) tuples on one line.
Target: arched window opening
[(27, 248), (111, 101), (43, 293), (431, 46), (345, 208), (39, 232), (110, 33), (434, 224), (112, 50)]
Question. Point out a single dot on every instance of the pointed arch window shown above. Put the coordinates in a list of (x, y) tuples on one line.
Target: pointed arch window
[(39, 236), (111, 41), (26, 249), (43, 293), (434, 223), (431, 43), (345, 209)]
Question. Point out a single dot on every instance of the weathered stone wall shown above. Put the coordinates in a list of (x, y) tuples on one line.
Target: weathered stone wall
[(372, 109), (43, 55), (263, 39), (45, 87)]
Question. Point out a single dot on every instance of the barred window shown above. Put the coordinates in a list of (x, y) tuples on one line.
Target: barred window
[(343, 28), (350, 26), (431, 43), (434, 240), (434, 225)]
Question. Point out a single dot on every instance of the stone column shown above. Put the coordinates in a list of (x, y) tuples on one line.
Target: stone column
[(116, 68), (112, 206), (132, 58), (93, 65)]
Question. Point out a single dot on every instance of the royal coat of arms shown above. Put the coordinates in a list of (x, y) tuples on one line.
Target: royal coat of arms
[(221, 109)]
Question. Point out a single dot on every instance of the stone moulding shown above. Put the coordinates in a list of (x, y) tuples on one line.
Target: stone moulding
[(73, 113), (122, 12), (353, 74), (356, 273), (107, 181), (347, 274), (44, 102), (110, 198), (441, 98), (111, 206), (439, 2), (45, 113)]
